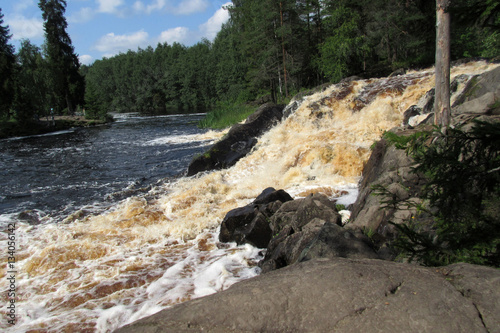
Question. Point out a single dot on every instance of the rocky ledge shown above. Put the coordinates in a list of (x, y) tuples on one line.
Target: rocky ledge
[(239, 141), (344, 295)]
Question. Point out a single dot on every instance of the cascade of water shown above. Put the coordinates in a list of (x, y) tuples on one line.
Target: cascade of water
[(101, 272)]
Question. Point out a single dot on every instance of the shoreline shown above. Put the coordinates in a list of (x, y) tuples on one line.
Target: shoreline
[(61, 123)]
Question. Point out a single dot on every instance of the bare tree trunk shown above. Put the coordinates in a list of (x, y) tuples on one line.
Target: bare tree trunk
[(442, 112), (283, 49)]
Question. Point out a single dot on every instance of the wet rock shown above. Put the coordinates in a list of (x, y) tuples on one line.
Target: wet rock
[(239, 141), (30, 216), (310, 228), (300, 212), (343, 295), (250, 224), (300, 97), (270, 195)]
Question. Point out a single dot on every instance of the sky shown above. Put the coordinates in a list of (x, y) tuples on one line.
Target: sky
[(104, 28)]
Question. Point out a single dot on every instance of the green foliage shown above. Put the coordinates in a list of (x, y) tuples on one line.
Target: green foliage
[(32, 89), (475, 27), (461, 195), (343, 52), (7, 69), (225, 115), (66, 84)]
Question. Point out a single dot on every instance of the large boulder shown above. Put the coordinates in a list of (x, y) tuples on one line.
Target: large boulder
[(310, 228), (238, 142), (480, 96), (344, 295), (250, 224)]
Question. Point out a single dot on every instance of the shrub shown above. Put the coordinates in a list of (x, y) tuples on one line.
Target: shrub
[(461, 195)]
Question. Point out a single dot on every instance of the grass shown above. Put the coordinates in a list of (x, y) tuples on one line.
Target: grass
[(225, 115)]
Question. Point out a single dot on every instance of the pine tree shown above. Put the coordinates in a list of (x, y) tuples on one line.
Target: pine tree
[(31, 98), (7, 66), (68, 84)]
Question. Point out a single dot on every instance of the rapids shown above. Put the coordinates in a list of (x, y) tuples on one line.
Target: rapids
[(151, 251)]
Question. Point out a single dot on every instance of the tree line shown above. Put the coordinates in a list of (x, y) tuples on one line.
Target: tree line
[(268, 50), (38, 81)]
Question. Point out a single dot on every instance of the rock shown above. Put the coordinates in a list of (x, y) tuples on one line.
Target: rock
[(240, 139), (343, 295), (478, 86), (270, 195), (300, 212), (250, 224), (310, 228), (286, 248), (334, 241), (31, 217), (412, 111), (300, 97)]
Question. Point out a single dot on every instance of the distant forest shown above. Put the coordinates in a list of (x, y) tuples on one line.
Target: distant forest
[(270, 50)]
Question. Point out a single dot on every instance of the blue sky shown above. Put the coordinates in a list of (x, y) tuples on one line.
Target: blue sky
[(103, 28)]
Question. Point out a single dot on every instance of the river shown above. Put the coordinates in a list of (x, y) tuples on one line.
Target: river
[(54, 174)]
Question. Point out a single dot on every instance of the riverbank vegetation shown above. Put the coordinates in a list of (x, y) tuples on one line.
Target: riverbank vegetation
[(457, 216), (267, 51)]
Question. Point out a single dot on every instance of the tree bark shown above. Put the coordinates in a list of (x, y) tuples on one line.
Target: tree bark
[(283, 49), (442, 112)]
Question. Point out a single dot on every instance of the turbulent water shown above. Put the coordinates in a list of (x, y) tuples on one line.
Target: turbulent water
[(96, 270)]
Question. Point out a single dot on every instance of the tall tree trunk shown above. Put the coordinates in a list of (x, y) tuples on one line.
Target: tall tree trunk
[(283, 49), (442, 112)]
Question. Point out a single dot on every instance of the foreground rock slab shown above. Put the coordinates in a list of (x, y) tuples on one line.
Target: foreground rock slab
[(344, 295)]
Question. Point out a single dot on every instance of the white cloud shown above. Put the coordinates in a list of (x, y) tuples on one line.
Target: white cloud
[(210, 28), (112, 44), (22, 27), (22, 5), (179, 35), (86, 59), (187, 7), (109, 6), (83, 15), (139, 6)]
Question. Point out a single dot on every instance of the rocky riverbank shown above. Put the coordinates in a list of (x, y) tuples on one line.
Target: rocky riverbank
[(323, 273), (44, 126)]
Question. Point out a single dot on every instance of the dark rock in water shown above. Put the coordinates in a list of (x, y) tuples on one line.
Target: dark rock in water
[(29, 216), (250, 224), (300, 212), (412, 111), (240, 139), (310, 228), (303, 229), (245, 225), (343, 295), (270, 195), (299, 98)]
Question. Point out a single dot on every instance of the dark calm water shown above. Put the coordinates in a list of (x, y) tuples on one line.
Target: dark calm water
[(58, 173)]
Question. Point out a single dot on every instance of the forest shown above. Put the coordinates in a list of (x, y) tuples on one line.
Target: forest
[(268, 51)]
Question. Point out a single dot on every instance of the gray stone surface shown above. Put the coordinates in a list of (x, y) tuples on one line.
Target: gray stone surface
[(344, 295)]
